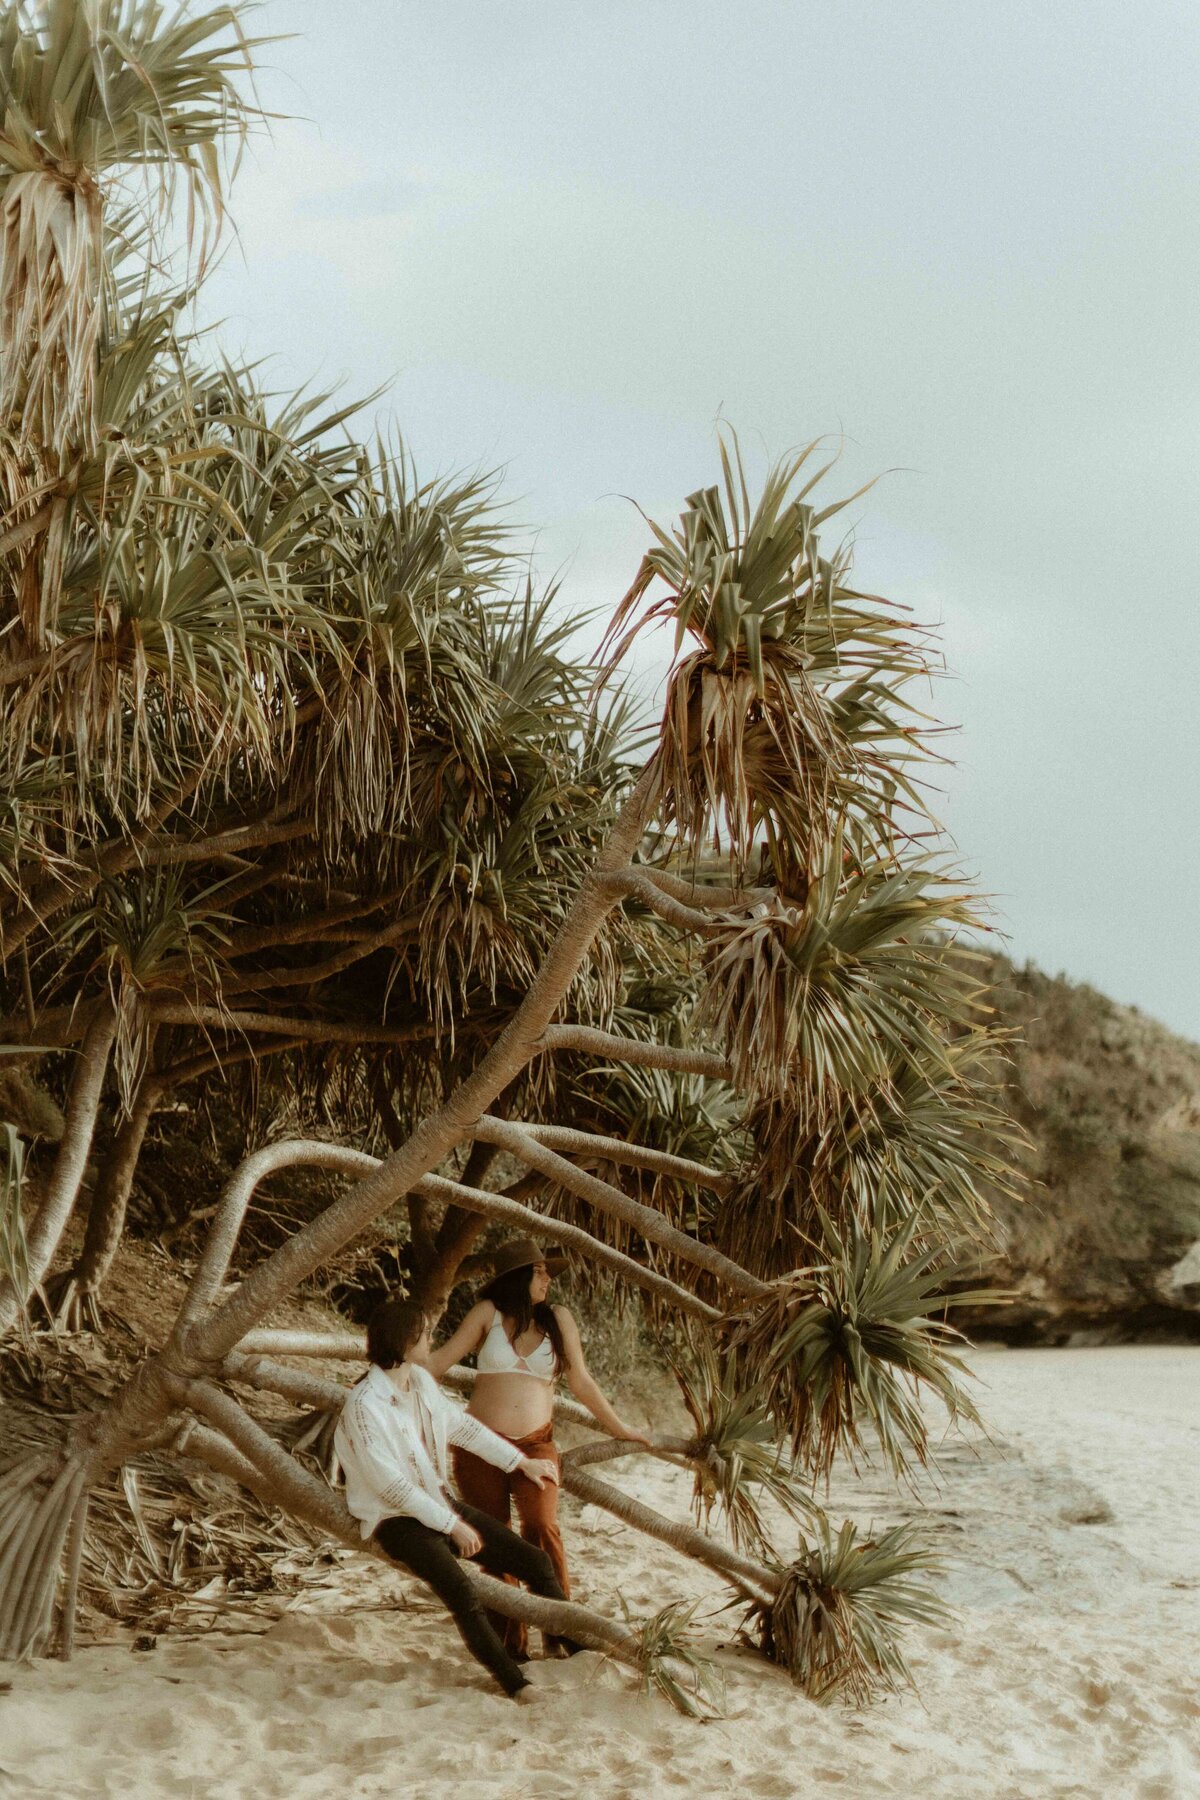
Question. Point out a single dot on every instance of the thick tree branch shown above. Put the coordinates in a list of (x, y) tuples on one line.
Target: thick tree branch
[(336, 1346), (635, 884), (752, 1579), (178, 1074), (421, 1233), (270, 1377), (637, 1156), (571, 1237), (696, 893), (255, 1461), (634, 1050), (234, 1204), (302, 930), (282, 976), (245, 837), (617, 1205), (315, 1031), (83, 1104)]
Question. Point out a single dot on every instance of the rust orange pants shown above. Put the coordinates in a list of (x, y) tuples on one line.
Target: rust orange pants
[(496, 1493)]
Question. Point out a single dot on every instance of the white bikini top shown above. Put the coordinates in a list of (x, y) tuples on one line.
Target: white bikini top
[(497, 1356)]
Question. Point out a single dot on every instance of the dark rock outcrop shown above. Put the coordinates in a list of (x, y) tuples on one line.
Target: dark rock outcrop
[(1106, 1245)]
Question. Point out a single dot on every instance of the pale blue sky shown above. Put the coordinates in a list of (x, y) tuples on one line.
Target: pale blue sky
[(962, 239)]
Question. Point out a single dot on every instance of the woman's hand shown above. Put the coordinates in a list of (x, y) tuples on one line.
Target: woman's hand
[(539, 1470), (629, 1436), (585, 1390)]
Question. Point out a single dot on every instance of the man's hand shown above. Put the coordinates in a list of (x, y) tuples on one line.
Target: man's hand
[(539, 1470), (466, 1537)]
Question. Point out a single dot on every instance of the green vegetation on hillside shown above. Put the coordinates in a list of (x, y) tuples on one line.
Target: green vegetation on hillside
[(1111, 1102)]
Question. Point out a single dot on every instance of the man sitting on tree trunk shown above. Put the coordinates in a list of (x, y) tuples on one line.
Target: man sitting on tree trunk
[(392, 1441)]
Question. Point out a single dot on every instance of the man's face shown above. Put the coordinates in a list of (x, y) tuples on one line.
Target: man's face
[(539, 1283), (418, 1350)]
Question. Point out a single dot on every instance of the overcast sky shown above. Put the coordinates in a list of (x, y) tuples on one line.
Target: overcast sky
[(962, 240)]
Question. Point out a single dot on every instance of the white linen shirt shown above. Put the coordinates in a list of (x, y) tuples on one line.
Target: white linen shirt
[(393, 1448)]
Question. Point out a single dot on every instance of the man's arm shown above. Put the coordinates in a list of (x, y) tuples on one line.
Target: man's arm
[(361, 1448), (469, 1434)]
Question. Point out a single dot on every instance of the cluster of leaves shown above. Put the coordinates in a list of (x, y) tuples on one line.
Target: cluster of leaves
[(836, 1621), (740, 1457), (851, 1340), (673, 1667), (295, 762), (286, 734)]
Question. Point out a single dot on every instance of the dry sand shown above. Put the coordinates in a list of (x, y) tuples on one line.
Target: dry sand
[(1071, 1670)]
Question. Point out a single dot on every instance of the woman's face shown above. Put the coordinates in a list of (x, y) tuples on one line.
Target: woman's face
[(539, 1283)]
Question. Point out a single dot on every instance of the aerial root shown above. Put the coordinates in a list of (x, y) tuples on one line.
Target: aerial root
[(71, 1305)]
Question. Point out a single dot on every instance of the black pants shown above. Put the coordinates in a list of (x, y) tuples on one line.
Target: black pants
[(435, 1558)]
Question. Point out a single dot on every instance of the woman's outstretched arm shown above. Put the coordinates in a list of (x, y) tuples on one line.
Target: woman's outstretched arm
[(585, 1388), (467, 1338)]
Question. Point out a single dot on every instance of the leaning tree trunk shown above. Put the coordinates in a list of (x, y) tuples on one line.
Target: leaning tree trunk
[(753, 1580), (74, 1297), (259, 1464), (38, 1505), (435, 1275), (62, 1191)]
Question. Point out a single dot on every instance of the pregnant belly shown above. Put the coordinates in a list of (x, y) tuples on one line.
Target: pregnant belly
[(513, 1405)]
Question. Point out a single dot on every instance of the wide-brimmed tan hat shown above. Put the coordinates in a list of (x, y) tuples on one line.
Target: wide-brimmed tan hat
[(523, 1253)]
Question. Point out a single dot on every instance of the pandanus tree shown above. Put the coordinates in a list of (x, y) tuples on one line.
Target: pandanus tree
[(291, 771)]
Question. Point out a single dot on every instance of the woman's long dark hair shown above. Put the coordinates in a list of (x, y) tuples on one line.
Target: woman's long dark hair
[(510, 1295)]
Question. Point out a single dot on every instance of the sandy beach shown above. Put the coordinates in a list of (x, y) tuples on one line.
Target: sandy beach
[(1071, 1668)]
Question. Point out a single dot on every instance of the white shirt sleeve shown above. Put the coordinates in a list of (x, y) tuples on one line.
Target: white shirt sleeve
[(395, 1490), (470, 1435)]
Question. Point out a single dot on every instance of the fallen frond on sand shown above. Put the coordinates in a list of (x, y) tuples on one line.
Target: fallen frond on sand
[(160, 1536)]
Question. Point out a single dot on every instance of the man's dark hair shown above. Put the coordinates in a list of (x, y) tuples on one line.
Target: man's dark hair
[(392, 1329)]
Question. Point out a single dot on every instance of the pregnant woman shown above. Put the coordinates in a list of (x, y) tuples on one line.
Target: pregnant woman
[(522, 1345)]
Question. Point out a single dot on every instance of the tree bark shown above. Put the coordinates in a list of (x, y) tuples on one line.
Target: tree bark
[(618, 1150), (614, 1048), (636, 884), (699, 893), (75, 1302), (317, 1031), (609, 1200), (83, 1104), (753, 1579)]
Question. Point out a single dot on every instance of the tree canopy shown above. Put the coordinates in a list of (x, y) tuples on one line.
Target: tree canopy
[(302, 788)]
